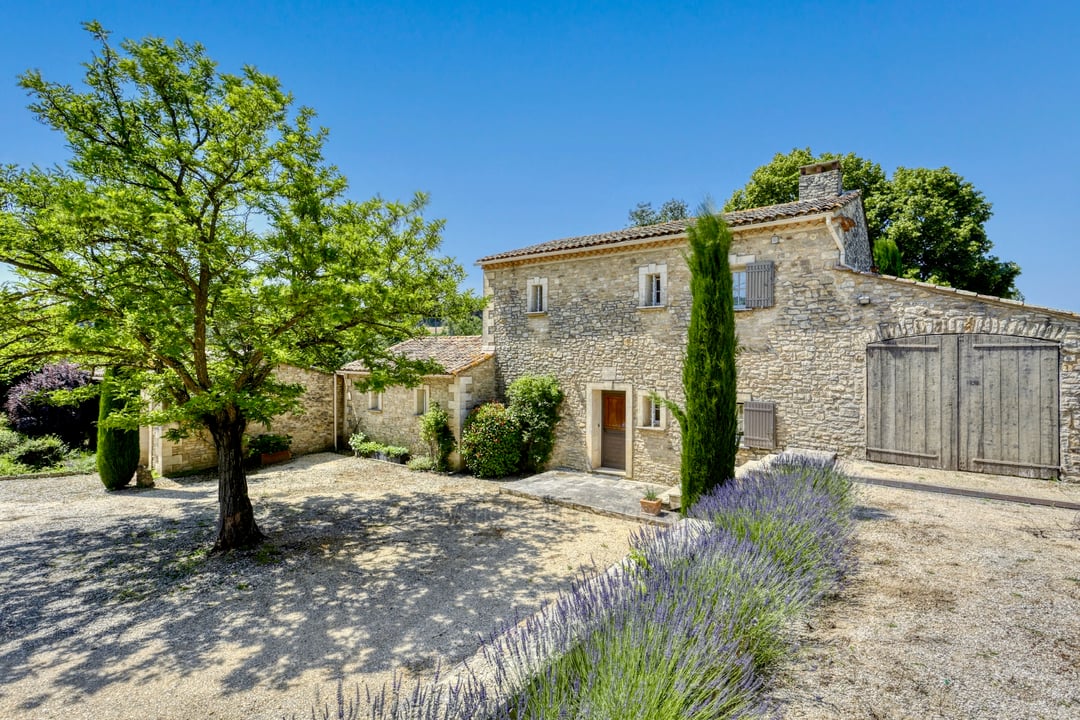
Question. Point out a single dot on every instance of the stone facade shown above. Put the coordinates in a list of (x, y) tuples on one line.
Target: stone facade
[(393, 416), (806, 353), (312, 429)]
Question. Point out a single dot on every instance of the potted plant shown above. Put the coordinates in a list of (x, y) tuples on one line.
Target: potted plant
[(270, 448), (397, 454), (651, 504)]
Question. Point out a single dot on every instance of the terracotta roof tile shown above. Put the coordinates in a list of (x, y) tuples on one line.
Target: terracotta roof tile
[(454, 352), (678, 227)]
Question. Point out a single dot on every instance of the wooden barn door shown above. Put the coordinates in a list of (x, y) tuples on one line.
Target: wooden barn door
[(981, 403), (911, 401), (1008, 420), (613, 436)]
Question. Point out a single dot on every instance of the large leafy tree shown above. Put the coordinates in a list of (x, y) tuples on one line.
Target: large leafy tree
[(197, 238), (935, 218)]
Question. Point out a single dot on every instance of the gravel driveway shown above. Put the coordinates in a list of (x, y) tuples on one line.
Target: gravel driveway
[(109, 607), (962, 608)]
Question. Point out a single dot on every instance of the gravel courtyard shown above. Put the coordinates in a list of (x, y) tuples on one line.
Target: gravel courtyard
[(109, 607)]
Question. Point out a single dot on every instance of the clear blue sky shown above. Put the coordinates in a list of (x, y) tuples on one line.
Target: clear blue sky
[(529, 122)]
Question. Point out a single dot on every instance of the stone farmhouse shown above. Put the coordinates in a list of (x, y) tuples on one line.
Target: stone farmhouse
[(832, 355)]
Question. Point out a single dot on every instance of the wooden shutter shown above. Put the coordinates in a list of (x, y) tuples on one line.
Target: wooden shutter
[(759, 284), (759, 424)]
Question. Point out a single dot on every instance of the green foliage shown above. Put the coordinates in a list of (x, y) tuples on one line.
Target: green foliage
[(396, 451), (709, 422), (356, 440), (887, 258), (198, 237), (421, 464), (10, 467), (9, 439), (117, 448), (38, 453), (534, 407), (268, 443), (935, 217), (368, 448), (491, 442), (643, 213), (435, 431)]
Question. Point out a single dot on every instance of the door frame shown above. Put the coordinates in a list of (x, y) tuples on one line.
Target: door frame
[(594, 423)]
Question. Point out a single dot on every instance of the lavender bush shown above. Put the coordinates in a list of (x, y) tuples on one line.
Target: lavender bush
[(689, 626)]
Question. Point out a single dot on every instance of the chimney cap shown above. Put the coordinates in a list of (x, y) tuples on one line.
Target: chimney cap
[(820, 167)]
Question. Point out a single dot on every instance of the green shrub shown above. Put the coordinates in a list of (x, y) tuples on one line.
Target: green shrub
[(491, 442), (396, 451), (117, 448), (38, 453), (9, 439), (367, 448), (10, 467), (534, 406), (421, 463), (435, 431), (356, 440), (268, 443)]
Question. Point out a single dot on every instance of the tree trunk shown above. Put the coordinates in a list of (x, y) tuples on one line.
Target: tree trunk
[(236, 518)]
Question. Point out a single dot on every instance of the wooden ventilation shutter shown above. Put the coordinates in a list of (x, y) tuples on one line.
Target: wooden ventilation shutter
[(759, 284), (759, 424)]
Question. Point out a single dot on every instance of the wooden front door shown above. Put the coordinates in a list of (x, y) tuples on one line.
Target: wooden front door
[(981, 403), (613, 432)]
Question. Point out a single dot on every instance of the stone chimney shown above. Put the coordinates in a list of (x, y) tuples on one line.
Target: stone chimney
[(820, 180)]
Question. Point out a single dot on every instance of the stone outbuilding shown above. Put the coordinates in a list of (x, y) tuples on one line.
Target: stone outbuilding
[(311, 429), (392, 416), (832, 355)]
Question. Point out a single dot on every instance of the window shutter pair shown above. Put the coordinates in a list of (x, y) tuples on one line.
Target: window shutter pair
[(759, 284), (759, 424)]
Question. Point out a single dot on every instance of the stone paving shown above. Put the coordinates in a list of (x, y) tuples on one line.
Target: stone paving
[(604, 494)]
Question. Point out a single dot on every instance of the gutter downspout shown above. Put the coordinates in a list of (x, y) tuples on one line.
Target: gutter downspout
[(334, 393)]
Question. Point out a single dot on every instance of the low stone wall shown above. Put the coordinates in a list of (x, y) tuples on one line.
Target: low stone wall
[(312, 430)]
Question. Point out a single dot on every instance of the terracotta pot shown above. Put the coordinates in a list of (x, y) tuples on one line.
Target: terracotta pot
[(651, 507), (275, 457)]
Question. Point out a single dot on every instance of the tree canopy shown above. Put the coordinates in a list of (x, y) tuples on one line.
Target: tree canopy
[(644, 214), (935, 218), (198, 238)]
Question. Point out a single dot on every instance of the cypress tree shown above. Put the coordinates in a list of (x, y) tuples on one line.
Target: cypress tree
[(117, 449), (709, 422)]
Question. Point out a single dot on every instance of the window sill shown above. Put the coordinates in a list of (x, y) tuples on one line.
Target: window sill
[(652, 307), (653, 428), (375, 410), (541, 313)]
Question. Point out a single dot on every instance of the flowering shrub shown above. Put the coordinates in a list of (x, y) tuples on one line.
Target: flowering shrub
[(33, 412), (689, 627), (491, 442), (435, 431)]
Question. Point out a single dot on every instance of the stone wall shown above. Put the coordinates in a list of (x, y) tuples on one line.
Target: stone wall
[(806, 353), (312, 429)]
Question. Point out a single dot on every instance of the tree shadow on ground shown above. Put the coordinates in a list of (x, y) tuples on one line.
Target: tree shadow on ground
[(346, 584)]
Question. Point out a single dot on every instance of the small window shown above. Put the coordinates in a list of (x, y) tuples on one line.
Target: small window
[(374, 401), (652, 285), (421, 400), (537, 295), (652, 414), (738, 289)]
